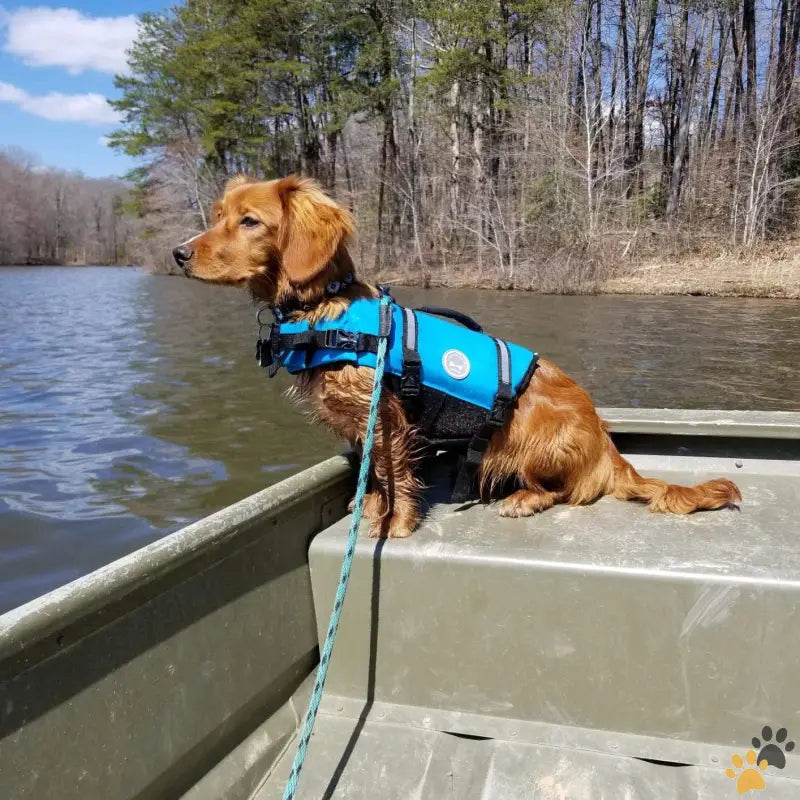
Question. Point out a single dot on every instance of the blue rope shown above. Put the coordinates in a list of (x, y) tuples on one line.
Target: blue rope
[(344, 576)]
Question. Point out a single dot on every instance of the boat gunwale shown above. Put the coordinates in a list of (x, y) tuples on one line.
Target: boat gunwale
[(219, 533), (703, 422), (109, 586)]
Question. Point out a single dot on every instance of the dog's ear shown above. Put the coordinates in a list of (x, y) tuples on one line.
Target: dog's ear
[(312, 228)]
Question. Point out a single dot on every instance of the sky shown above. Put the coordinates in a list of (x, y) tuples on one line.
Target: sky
[(57, 67)]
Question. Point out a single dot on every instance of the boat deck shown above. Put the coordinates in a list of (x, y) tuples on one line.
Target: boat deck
[(593, 652)]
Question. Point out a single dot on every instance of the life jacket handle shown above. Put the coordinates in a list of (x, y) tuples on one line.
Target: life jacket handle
[(458, 316)]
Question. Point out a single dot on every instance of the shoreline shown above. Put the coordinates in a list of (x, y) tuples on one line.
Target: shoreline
[(762, 276), (757, 277), (623, 286), (60, 266)]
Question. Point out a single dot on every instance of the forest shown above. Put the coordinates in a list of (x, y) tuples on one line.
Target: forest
[(521, 143), (508, 143), (49, 216)]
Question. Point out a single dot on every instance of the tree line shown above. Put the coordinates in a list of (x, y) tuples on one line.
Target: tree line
[(511, 142), (49, 216)]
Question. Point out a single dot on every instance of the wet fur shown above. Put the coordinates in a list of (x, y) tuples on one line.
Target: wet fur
[(554, 446)]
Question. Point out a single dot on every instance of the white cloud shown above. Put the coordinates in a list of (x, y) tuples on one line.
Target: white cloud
[(89, 108), (64, 37), (11, 94)]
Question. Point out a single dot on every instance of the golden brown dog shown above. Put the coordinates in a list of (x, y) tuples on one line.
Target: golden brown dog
[(286, 240)]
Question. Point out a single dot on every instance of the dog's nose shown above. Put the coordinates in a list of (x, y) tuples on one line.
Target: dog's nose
[(182, 254)]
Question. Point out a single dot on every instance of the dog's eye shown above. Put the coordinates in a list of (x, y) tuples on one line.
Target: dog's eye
[(249, 222)]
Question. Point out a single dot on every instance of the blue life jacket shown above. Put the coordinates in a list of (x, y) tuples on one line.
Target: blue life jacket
[(457, 384)]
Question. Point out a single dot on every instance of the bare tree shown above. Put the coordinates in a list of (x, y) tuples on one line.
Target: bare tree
[(60, 217)]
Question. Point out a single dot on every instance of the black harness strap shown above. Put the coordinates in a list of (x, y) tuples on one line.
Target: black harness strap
[(410, 380), (495, 419), (273, 351)]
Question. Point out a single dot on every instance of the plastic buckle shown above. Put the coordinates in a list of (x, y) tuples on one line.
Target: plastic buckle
[(336, 339), (499, 413), (410, 380)]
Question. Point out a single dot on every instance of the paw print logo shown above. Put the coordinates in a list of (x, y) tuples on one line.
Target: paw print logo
[(748, 779), (774, 753)]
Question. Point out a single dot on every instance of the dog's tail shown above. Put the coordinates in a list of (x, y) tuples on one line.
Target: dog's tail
[(667, 497)]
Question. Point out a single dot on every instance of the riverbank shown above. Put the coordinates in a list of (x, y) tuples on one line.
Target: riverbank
[(768, 275), (765, 276)]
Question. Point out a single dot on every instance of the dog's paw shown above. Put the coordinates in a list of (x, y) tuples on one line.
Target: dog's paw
[(392, 527), (374, 505), (526, 502), (510, 507)]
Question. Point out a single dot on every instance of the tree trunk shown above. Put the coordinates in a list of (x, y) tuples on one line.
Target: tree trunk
[(455, 150), (642, 56), (749, 32), (711, 122), (689, 67), (736, 85), (626, 84)]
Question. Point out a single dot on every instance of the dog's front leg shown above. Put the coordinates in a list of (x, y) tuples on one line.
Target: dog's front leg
[(393, 505), (343, 401)]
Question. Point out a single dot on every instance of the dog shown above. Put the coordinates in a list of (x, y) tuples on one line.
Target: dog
[(287, 241)]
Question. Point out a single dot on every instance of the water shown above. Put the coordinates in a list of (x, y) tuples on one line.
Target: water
[(131, 404)]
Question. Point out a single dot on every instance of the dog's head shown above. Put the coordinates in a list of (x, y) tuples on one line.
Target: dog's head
[(275, 237)]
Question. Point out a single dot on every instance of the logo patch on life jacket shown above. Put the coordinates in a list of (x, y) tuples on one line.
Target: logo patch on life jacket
[(456, 364)]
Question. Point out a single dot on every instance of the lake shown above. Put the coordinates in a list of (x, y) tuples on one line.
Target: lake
[(131, 404)]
